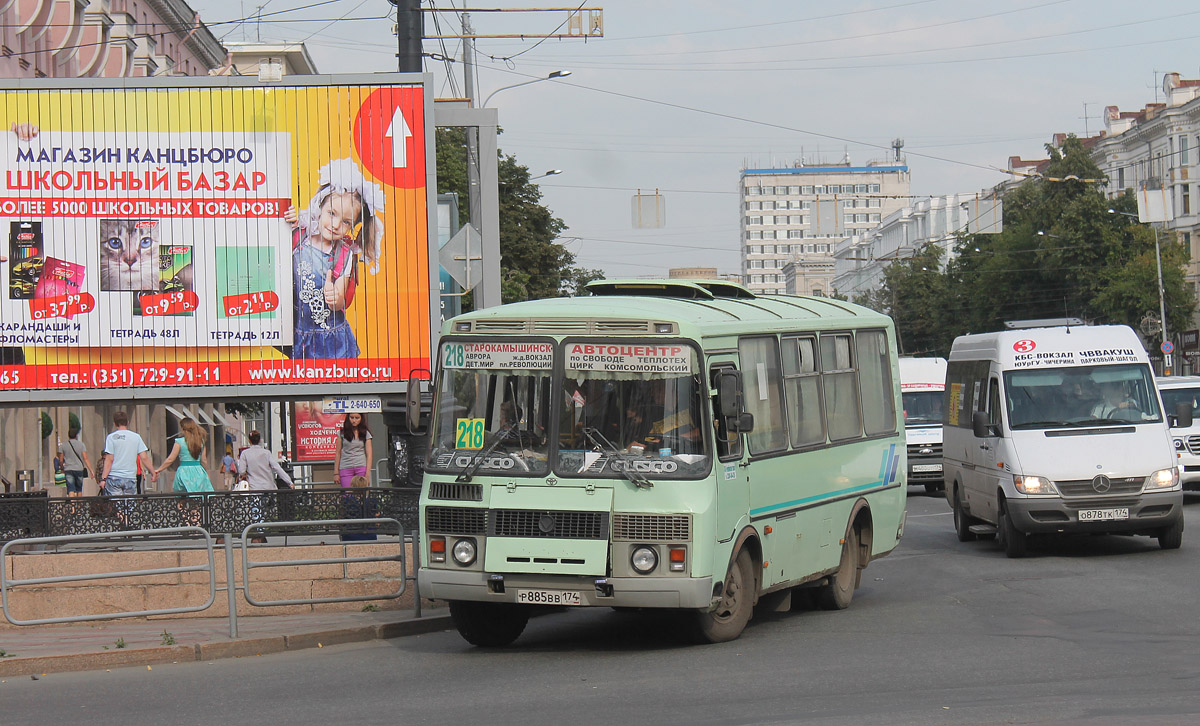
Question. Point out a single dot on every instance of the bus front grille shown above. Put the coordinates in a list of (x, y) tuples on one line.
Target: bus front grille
[(540, 523), (1113, 487), (652, 527), (455, 520), (456, 491)]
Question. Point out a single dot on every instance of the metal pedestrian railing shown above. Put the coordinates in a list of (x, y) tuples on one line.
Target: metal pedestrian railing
[(387, 526), (7, 583), (217, 513)]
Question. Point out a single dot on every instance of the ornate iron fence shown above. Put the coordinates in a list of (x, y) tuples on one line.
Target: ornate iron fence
[(215, 512)]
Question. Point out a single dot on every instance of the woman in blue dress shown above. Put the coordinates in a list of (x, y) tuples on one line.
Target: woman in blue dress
[(192, 475)]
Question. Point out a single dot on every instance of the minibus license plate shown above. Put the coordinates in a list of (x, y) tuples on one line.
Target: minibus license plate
[(926, 467), (1103, 515), (548, 597)]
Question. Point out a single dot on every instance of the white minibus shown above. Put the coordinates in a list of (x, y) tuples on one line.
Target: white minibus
[(922, 383), (1059, 429)]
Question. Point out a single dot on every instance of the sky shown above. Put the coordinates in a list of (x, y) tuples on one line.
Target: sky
[(680, 95)]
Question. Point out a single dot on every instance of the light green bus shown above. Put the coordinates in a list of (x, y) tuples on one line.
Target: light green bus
[(659, 444)]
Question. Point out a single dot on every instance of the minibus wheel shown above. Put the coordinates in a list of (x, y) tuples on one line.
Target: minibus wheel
[(1170, 538), (1014, 541), (488, 624), (962, 521), (840, 591), (728, 620)]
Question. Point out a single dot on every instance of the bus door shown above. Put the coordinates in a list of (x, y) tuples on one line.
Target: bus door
[(733, 485)]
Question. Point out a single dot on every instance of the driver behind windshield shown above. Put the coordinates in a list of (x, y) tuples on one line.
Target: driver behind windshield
[(1116, 403), (660, 423)]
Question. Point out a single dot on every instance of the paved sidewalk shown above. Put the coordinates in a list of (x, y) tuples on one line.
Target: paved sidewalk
[(33, 650)]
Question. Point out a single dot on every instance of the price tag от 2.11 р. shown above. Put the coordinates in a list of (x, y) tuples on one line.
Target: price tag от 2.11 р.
[(170, 303), (250, 303), (61, 306)]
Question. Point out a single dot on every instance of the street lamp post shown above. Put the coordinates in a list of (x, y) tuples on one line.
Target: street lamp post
[(551, 76), (1162, 300), (549, 172)]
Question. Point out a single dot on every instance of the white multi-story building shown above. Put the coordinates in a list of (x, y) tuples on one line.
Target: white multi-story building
[(859, 260), (1159, 148), (804, 211)]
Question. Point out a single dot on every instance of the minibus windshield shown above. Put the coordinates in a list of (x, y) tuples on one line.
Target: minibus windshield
[(632, 408), (923, 408), (1107, 395), (492, 409)]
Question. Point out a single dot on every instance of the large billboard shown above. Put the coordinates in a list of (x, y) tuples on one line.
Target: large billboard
[(214, 236)]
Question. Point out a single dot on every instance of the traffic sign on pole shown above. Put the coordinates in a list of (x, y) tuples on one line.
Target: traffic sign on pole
[(1167, 347)]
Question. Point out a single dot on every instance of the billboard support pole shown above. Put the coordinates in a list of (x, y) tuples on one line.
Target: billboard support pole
[(456, 114)]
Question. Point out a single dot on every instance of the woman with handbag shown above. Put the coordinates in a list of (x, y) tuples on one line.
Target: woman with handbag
[(192, 475), (75, 462)]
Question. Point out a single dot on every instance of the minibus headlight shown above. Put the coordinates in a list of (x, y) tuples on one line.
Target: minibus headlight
[(1163, 479), (644, 560), (1034, 484), (464, 551)]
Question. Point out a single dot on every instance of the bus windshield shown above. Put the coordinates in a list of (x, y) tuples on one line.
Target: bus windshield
[(1081, 396), (923, 408), (632, 408), (493, 418)]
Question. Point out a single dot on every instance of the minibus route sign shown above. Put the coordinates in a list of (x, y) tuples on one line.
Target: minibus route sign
[(511, 355), (629, 358)]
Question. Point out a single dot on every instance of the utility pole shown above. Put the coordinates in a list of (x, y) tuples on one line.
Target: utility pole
[(410, 31), (474, 200)]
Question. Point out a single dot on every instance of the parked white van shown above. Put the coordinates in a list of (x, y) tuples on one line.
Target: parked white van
[(1176, 390), (922, 386), (1059, 429)]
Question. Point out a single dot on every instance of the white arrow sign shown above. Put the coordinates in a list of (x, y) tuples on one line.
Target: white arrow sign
[(399, 132)]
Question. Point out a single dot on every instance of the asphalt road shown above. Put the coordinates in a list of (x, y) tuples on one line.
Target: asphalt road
[(1090, 630)]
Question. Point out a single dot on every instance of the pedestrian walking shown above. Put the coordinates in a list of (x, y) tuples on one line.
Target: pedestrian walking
[(126, 450), (189, 448), (352, 452), (259, 470), (76, 464), (258, 467), (229, 471)]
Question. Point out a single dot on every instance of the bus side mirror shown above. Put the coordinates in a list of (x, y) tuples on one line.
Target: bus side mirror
[(743, 423), (729, 393), (981, 425), (1183, 415), (412, 405)]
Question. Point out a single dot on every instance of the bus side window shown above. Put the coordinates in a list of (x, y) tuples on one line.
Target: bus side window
[(994, 404), (729, 443)]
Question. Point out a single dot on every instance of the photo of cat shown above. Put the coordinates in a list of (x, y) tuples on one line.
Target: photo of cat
[(129, 255)]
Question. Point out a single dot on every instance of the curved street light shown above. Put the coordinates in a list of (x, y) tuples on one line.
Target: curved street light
[(549, 172), (1162, 302), (551, 76)]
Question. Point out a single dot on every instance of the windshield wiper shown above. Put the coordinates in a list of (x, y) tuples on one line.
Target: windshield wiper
[(607, 447), (1041, 424), (465, 476)]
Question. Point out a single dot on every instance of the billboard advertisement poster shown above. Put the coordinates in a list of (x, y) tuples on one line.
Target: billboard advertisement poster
[(316, 432), (223, 236)]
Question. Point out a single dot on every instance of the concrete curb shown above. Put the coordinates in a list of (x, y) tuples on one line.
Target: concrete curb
[(37, 665)]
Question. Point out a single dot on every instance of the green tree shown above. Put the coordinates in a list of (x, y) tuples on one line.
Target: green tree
[(532, 264), (1063, 254), (914, 293)]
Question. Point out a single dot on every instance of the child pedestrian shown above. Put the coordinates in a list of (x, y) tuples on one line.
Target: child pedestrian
[(342, 225)]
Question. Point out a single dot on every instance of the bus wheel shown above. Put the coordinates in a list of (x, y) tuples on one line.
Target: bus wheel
[(837, 594), (1170, 538), (487, 624), (1014, 541), (962, 521), (729, 618)]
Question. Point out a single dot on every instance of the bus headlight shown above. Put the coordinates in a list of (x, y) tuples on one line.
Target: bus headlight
[(1163, 479), (1034, 485), (644, 560), (464, 551), (1179, 445)]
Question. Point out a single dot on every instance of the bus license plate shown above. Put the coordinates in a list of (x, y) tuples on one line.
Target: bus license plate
[(926, 467), (1103, 515), (548, 597)]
